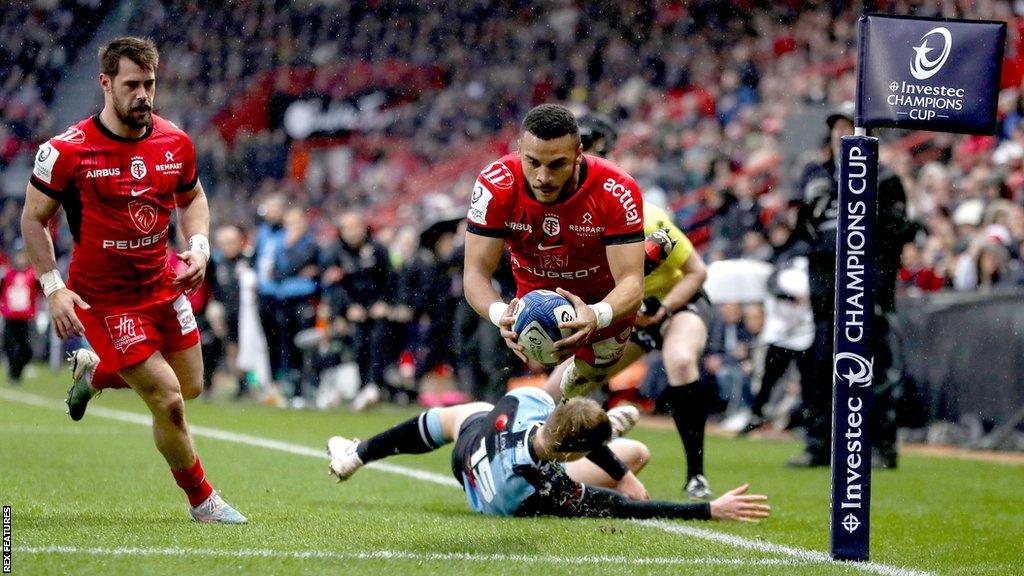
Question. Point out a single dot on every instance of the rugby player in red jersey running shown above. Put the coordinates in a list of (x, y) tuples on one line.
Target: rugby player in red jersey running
[(118, 175), (574, 224)]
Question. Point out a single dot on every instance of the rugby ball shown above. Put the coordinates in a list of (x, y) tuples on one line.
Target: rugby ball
[(535, 319)]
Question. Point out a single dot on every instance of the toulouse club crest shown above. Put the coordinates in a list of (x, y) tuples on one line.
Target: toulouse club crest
[(143, 215), (138, 168), (551, 226)]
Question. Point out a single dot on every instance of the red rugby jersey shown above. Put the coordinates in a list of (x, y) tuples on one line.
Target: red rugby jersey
[(118, 194), (559, 245)]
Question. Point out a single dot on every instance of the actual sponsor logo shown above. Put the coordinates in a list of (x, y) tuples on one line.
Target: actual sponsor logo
[(625, 197), (855, 369), (499, 176), (46, 158), (143, 214), (125, 330), (923, 67), (479, 201), (72, 136), (138, 168), (103, 173), (169, 156), (140, 191)]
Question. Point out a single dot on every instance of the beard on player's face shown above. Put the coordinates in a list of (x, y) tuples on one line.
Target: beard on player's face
[(136, 113)]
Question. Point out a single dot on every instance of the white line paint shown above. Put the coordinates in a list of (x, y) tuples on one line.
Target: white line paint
[(806, 556), (225, 435), (415, 556), (809, 556)]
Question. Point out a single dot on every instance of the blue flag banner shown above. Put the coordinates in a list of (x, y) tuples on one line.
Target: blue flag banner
[(853, 362), (929, 74)]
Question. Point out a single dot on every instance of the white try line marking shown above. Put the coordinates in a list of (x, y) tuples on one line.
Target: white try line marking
[(416, 556), (801, 554)]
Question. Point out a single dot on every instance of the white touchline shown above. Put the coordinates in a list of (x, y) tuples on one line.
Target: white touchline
[(403, 555), (804, 555)]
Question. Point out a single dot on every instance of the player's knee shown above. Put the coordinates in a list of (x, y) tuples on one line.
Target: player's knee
[(190, 390), (170, 406), (641, 457), (680, 358), (633, 453)]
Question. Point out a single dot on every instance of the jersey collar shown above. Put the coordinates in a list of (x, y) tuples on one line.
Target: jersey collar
[(106, 131)]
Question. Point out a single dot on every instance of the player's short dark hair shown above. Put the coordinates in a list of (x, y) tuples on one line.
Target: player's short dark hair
[(142, 51), (579, 425), (550, 121)]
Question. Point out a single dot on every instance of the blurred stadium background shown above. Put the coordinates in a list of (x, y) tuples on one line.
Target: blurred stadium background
[(383, 112)]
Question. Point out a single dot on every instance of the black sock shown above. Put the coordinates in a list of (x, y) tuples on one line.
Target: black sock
[(409, 437), (690, 413)]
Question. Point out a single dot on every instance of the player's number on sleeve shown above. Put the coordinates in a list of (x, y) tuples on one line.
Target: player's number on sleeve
[(481, 466)]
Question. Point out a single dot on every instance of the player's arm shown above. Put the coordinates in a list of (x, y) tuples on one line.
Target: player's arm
[(194, 219), (39, 209), (694, 275), (626, 262), (481, 260)]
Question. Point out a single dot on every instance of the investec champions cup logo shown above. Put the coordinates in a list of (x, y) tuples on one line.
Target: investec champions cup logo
[(855, 369), (922, 67), (927, 101)]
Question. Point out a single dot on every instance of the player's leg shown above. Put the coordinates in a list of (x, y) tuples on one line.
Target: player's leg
[(425, 432), (187, 365), (155, 381), (553, 385), (684, 344), (634, 454), (90, 375), (592, 364), (776, 361)]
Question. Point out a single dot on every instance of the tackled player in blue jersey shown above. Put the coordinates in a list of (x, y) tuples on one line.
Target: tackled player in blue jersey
[(524, 456)]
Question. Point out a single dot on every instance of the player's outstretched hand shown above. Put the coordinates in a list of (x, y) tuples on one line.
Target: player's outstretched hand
[(737, 505), (510, 337), (582, 327), (62, 310), (191, 278)]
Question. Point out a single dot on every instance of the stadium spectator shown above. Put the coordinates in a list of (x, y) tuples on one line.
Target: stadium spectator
[(728, 360), (134, 313), (224, 277), (269, 242), (915, 273), (532, 462), (296, 273), (18, 296), (362, 267), (788, 332), (819, 215)]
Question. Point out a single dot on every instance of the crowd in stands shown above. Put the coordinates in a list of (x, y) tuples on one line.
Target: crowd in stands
[(721, 106)]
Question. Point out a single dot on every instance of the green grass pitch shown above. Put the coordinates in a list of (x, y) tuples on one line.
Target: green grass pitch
[(94, 497)]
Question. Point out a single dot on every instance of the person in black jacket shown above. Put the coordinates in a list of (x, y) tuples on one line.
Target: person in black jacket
[(222, 274), (362, 267), (817, 221)]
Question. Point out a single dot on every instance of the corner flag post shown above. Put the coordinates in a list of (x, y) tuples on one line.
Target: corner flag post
[(922, 73)]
